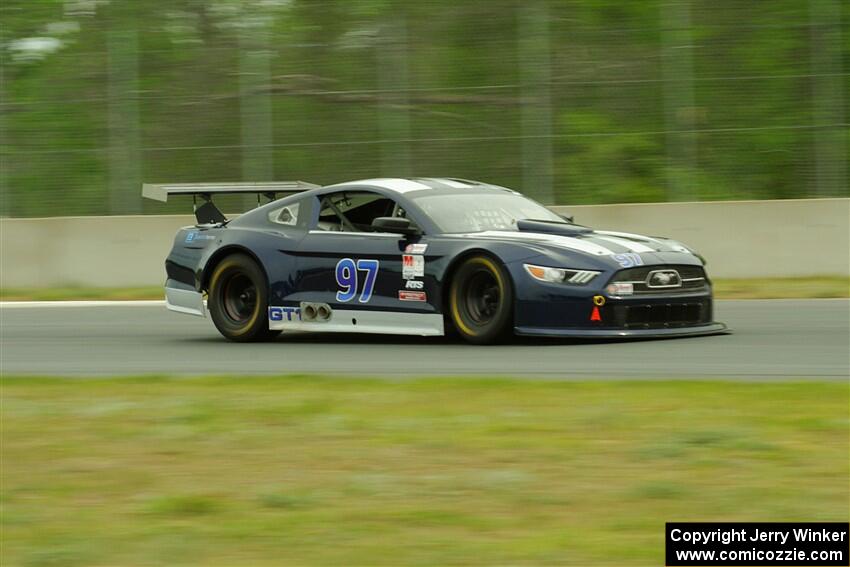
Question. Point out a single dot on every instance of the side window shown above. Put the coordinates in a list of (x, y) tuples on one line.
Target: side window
[(287, 215), (354, 211)]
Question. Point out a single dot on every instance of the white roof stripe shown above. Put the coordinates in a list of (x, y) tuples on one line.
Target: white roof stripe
[(394, 184), (453, 183)]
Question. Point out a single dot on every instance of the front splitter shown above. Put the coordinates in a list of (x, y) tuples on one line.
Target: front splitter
[(710, 329)]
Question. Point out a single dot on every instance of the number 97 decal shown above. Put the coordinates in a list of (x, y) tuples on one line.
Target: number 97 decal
[(346, 279)]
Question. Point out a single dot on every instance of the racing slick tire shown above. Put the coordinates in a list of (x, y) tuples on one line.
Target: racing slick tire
[(481, 301), (238, 300)]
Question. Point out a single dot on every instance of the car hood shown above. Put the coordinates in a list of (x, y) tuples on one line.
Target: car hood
[(609, 248)]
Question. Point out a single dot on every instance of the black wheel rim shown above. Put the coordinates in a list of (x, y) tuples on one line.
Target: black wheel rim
[(240, 298), (482, 297)]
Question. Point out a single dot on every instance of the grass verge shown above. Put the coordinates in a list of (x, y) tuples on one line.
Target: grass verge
[(313, 471), (765, 288), (81, 293), (782, 288)]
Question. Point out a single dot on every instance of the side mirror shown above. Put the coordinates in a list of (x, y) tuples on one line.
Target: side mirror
[(396, 225), (570, 219)]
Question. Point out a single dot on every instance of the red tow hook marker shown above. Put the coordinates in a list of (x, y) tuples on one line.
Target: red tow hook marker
[(594, 315), (598, 301)]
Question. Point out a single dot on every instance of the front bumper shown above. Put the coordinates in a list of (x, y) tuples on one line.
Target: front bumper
[(670, 315)]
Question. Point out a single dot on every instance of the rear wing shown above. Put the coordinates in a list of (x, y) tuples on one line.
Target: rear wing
[(207, 212)]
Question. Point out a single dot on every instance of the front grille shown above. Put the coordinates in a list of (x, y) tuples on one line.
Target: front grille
[(693, 279), (655, 314), (660, 315)]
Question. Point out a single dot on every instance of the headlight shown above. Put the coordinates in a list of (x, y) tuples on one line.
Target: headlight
[(560, 275)]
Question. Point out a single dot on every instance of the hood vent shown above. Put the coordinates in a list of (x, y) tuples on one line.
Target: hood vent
[(552, 227)]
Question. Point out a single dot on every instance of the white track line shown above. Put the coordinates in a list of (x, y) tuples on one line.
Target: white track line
[(785, 299), (122, 303)]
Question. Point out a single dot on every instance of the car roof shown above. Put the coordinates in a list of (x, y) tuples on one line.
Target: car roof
[(415, 184), (410, 187)]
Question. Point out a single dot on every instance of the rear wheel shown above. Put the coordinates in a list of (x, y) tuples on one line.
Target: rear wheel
[(481, 301), (238, 300)]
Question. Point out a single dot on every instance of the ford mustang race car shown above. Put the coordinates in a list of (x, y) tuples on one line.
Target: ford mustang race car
[(424, 257)]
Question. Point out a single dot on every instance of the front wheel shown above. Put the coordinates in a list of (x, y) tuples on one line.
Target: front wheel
[(481, 301), (238, 300)]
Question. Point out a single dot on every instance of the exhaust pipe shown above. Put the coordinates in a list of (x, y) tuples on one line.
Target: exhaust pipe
[(309, 312), (323, 312), (315, 312)]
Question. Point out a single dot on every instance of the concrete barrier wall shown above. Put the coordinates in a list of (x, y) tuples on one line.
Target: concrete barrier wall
[(120, 251), (741, 239)]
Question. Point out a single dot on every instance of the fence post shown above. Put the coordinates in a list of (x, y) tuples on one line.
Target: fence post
[(255, 105), (5, 145), (125, 159), (394, 108), (678, 86), (830, 139), (534, 46)]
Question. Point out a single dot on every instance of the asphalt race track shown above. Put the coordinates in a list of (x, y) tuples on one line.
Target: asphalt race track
[(772, 339)]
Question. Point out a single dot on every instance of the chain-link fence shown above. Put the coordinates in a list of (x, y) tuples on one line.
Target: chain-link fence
[(570, 101)]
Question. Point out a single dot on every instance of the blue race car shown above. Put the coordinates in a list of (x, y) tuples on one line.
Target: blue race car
[(424, 257)]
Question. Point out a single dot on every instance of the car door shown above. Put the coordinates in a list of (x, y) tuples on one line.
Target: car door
[(354, 270)]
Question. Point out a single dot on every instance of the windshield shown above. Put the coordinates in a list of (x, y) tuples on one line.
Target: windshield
[(477, 212)]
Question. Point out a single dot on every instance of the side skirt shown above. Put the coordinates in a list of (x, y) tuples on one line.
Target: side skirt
[(359, 321), (185, 301)]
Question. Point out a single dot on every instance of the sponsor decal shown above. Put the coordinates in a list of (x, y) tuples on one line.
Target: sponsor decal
[(412, 296), (415, 248), (195, 235), (628, 260), (284, 313), (412, 266), (414, 284)]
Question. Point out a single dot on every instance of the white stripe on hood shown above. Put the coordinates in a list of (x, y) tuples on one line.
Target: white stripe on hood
[(559, 240), (663, 244), (631, 245)]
